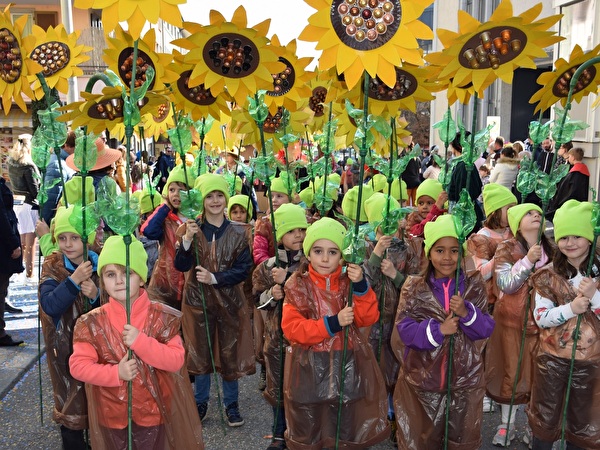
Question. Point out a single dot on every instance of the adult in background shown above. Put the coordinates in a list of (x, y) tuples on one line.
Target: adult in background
[(506, 169), (165, 163), (544, 156), (11, 259), (53, 173), (411, 177), (24, 180)]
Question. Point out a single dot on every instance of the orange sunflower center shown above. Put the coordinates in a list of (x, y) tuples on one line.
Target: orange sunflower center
[(406, 85), (315, 102), (365, 24), (492, 48), (11, 60), (198, 94), (141, 66), (273, 122), (284, 81), (231, 55), (52, 56), (561, 87), (110, 109)]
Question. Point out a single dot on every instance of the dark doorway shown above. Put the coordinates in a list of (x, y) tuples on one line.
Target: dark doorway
[(524, 86)]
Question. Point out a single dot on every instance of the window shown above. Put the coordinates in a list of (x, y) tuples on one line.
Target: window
[(29, 25)]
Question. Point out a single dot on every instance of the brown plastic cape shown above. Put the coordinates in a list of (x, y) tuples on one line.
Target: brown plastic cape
[(420, 394), (312, 379), (484, 247), (167, 393), (70, 404)]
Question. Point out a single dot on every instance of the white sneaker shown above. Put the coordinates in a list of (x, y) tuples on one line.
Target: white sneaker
[(500, 439), (488, 405), (528, 436)]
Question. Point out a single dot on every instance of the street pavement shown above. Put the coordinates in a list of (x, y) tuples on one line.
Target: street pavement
[(20, 410)]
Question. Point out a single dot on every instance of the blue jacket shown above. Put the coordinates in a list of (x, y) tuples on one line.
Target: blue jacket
[(54, 193)]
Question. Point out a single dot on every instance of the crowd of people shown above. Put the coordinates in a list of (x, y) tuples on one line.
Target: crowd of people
[(420, 322)]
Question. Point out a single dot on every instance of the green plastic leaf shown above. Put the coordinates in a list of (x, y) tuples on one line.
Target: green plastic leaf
[(121, 216), (389, 223), (92, 219), (354, 247), (53, 131), (181, 136), (356, 113), (595, 214), (257, 108), (538, 132), (204, 125), (463, 215), (474, 146), (264, 167), (191, 203), (200, 166), (402, 162), (361, 142), (527, 176), (564, 129), (42, 196), (446, 128), (559, 171), (287, 139), (40, 150), (381, 125), (446, 169), (323, 202), (86, 152)]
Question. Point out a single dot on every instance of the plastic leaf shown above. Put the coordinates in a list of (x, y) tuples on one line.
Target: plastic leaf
[(364, 140), (257, 108), (40, 150), (565, 133), (323, 202), (53, 131), (121, 216), (354, 247), (191, 203), (446, 128), (595, 215), (538, 132), (389, 223), (472, 151), (356, 113), (92, 219), (265, 167), (463, 215), (86, 152), (181, 136), (402, 162), (547, 185), (446, 169), (380, 124), (527, 176), (204, 125), (42, 196)]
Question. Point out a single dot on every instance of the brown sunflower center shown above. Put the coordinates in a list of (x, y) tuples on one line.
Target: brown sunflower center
[(365, 24), (142, 63), (52, 56), (406, 85), (231, 55), (273, 122), (561, 87), (162, 112), (11, 61), (110, 109), (491, 48), (198, 94), (284, 81), (315, 102)]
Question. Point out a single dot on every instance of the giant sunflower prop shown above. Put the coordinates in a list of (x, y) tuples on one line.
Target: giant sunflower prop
[(367, 35), (157, 122), (325, 88), (197, 101), (119, 57), (479, 53), (15, 67), (403, 138), (346, 125), (228, 55), (555, 85), (290, 87), (134, 12), (59, 55)]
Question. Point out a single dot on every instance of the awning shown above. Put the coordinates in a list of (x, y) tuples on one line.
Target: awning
[(15, 119)]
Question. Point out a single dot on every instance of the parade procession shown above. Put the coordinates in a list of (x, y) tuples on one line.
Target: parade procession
[(214, 241)]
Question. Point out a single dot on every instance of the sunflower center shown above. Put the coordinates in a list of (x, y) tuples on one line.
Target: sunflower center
[(231, 55), (11, 61), (561, 87), (491, 48), (52, 56), (365, 24), (198, 94), (406, 85), (110, 109), (162, 112), (273, 122), (315, 102), (284, 81), (142, 63)]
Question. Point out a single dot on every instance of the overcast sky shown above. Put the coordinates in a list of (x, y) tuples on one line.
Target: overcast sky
[(288, 18)]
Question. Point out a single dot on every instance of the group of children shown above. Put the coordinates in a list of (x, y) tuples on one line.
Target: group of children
[(385, 335)]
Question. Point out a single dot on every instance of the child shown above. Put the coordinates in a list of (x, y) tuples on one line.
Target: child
[(482, 245), (239, 209), (350, 201), (148, 204), (575, 185), (163, 409), (166, 284), (431, 198), (66, 285), (220, 261), (514, 260), (564, 293), (268, 281), (263, 247), (428, 314), (314, 316)]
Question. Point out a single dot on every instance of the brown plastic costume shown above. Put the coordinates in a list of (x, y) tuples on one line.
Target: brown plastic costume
[(406, 259), (70, 404), (484, 247), (420, 394), (227, 310), (551, 371), (502, 352), (312, 379), (166, 283), (159, 393)]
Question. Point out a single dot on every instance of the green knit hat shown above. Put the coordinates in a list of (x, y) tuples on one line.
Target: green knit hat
[(280, 184), (574, 218), (73, 190), (432, 188), (147, 203), (244, 202), (62, 223), (113, 252), (288, 217), (307, 195), (375, 206), (442, 227), (177, 175), (396, 185), (325, 228), (495, 197), (517, 212), (379, 182), (210, 182), (350, 201)]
